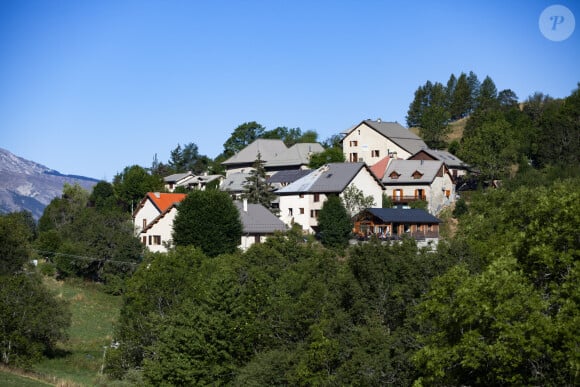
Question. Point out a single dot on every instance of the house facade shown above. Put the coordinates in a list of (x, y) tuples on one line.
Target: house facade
[(371, 141), (153, 205), (396, 223), (301, 201), (257, 223), (407, 181), (153, 219), (158, 235)]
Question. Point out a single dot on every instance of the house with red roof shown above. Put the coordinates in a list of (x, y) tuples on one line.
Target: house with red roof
[(152, 209)]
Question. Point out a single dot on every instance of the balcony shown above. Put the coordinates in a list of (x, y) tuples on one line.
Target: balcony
[(397, 199)]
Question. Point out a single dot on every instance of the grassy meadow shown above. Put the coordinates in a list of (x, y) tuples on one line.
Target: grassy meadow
[(79, 361)]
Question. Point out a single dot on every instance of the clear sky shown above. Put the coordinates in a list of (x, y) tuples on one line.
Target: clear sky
[(90, 87)]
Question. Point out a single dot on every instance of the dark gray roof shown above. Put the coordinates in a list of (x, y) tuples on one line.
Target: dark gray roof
[(258, 220), (403, 215), (330, 178), (287, 177), (296, 155), (268, 150), (397, 133), (235, 182)]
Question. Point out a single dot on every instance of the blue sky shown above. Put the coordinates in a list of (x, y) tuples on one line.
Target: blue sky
[(90, 87)]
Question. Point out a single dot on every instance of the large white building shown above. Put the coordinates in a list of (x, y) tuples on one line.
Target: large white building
[(371, 141), (301, 201)]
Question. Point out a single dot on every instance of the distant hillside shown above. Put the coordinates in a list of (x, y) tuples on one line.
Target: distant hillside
[(26, 185), (456, 133)]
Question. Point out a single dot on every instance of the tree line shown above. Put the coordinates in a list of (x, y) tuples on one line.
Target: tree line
[(500, 132)]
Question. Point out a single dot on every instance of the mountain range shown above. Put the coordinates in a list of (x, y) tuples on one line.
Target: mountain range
[(26, 185)]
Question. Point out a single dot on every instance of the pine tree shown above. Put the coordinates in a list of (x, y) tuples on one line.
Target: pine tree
[(461, 99), (258, 190), (334, 223)]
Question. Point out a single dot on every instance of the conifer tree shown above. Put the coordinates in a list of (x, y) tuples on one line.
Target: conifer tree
[(258, 190)]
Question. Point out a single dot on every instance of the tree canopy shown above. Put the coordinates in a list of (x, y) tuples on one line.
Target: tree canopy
[(208, 220)]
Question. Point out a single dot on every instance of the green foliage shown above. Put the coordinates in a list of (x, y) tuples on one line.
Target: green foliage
[(510, 321), (61, 212), (334, 223), (329, 155), (354, 200), (461, 208), (420, 204), (257, 188), (187, 159), (32, 320), (133, 183), (490, 147), (208, 220), (490, 328), (14, 243), (242, 136), (89, 236), (103, 197), (387, 201)]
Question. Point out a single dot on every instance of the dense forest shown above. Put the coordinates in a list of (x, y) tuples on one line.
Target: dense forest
[(497, 303)]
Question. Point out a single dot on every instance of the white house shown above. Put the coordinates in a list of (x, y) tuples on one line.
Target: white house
[(158, 210), (190, 181), (406, 181), (301, 201), (370, 141), (257, 223), (153, 218)]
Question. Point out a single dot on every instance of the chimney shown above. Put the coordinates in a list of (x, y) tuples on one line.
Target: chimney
[(245, 205), (157, 194)]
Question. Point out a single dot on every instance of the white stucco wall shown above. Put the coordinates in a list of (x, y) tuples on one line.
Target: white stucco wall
[(368, 140), (163, 228), (369, 186), (148, 212)]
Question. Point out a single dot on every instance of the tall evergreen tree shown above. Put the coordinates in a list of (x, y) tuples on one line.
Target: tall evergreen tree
[(474, 85), (258, 190), (487, 97), (334, 223), (461, 99)]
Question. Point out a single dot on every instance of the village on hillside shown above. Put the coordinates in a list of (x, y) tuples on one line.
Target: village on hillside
[(385, 163)]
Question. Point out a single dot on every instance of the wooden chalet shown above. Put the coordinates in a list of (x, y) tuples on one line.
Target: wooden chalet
[(394, 223)]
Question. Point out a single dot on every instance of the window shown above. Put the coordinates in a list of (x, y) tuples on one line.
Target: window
[(314, 213), (156, 239), (290, 212), (144, 223), (316, 197), (417, 175), (354, 143), (375, 153), (353, 157), (394, 175), (301, 211), (301, 196), (144, 240)]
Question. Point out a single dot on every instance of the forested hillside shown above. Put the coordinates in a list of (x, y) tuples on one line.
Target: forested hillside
[(496, 303)]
